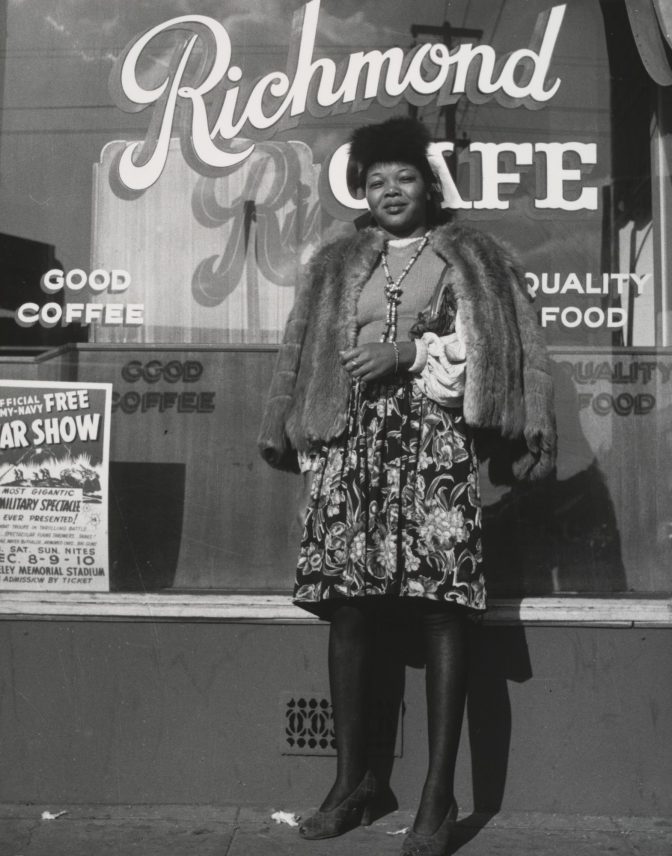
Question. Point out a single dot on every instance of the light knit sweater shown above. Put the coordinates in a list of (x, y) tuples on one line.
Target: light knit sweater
[(417, 289)]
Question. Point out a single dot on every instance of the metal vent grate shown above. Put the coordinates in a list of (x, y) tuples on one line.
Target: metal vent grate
[(308, 727)]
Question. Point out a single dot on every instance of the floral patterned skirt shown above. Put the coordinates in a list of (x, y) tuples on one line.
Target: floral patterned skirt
[(395, 506)]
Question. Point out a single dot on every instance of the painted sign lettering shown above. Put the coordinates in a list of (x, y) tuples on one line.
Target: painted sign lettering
[(237, 108)]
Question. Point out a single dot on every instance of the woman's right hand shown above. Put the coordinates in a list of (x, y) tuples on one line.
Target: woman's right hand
[(374, 360)]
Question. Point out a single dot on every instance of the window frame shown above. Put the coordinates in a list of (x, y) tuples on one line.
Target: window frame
[(595, 611), (625, 611)]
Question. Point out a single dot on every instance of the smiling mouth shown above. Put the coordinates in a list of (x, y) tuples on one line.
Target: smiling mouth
[(394, 209)]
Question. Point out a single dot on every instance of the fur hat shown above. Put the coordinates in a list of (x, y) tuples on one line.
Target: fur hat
[(397, 140)]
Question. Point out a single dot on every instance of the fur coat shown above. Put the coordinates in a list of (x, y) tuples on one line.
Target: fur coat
[(508, 387)]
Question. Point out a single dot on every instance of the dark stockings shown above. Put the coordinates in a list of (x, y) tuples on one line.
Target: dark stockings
[(444, 632), (350, 642), (445, 638)]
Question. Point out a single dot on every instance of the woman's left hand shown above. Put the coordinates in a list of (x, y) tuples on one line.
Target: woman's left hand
[(374, 360)]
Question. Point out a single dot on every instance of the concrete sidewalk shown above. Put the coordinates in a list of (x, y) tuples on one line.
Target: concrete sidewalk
[(236, 831)]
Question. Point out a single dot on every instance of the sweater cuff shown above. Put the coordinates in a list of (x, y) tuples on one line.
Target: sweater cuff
[(421, 354)]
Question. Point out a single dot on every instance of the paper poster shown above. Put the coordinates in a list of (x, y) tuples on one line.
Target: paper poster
[(54, 464)]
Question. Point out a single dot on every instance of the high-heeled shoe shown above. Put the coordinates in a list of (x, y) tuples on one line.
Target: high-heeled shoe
[(354, 810), (436, 844)]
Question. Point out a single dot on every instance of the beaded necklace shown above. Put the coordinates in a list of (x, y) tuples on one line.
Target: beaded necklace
[(393, 291)]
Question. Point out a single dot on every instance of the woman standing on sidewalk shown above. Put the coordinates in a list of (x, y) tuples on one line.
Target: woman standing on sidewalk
[(402, 340)]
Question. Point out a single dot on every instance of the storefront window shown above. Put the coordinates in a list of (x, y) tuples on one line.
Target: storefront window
[(166, 171)]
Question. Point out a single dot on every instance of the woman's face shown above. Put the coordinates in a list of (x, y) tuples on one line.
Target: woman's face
[(397, 197)]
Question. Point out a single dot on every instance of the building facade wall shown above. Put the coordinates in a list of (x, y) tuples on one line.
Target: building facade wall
[(560, 719)]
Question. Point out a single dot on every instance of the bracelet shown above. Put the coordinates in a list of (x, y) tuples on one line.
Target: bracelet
[(396, 356), (421, 353)]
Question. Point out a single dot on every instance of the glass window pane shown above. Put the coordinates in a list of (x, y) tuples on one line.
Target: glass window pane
[(199, 208)]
